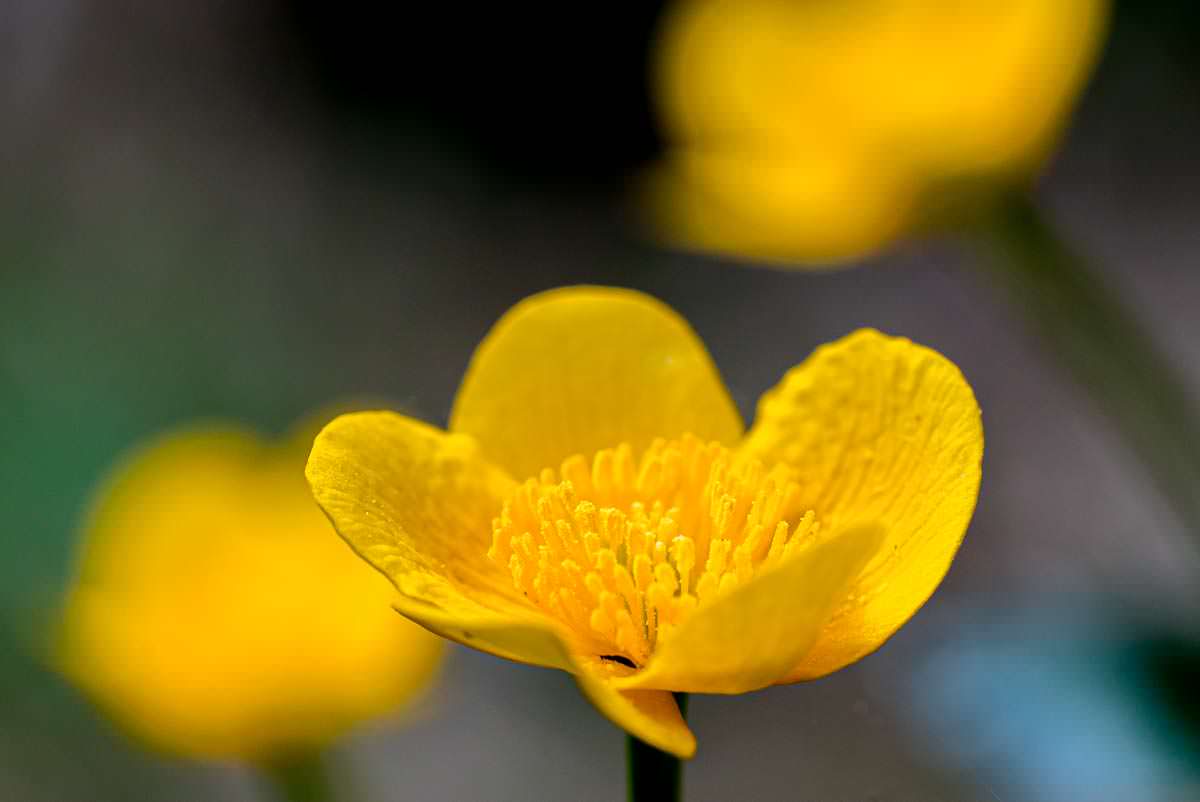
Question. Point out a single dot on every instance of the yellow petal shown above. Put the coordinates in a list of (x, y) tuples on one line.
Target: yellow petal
[(651, 716), (417, 503), (753, 636), (578, 369), (512, 635), (878, 429)]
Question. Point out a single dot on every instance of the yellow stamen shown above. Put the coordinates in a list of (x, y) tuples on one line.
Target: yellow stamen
[(624, 552)]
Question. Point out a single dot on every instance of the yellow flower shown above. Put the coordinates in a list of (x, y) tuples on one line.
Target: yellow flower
[(596, 506), (216, 613), (820, 131)]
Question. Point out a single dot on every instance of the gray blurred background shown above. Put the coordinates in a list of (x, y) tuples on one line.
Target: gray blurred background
[(250, 210)]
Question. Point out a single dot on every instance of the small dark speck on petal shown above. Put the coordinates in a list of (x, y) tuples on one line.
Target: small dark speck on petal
[(619, 658)]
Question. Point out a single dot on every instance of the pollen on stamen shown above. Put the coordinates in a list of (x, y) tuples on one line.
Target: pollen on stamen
[(622, 551)]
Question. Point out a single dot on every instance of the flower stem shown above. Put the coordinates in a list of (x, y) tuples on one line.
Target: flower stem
[(1090, 331), (299, 778), (655, 776)]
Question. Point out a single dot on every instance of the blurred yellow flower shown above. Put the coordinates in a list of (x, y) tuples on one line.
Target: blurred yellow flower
[(819, 131), (596, 506), (217, 614)]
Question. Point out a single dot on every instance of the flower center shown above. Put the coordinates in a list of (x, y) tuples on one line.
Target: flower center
[(623, 551)]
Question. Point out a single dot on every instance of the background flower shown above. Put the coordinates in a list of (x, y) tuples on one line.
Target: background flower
[(217, 615), (819, 132)]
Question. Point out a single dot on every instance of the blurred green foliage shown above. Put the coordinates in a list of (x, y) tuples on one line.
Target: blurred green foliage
[(112, 331)]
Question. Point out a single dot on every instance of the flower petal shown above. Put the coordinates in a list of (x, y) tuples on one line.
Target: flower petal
[(881, 429), (578, 369), (512, 636), (417, 503), (652, 716), (753, 636)]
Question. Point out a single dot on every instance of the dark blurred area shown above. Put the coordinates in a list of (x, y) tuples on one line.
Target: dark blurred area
[(248, 211), (553, 97)]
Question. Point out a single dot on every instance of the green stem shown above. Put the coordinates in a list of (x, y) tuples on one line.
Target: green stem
[(1088, 328), (299, 778), (655, 776)]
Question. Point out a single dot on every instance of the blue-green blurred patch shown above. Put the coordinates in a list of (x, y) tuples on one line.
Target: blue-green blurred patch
[(1064, 701)]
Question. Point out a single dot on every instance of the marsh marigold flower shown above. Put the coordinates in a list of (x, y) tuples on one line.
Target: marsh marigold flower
[(596, 506), (216, 614), (819, 131)]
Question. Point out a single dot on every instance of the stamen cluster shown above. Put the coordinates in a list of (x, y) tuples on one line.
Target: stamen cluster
[(623, 551)]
